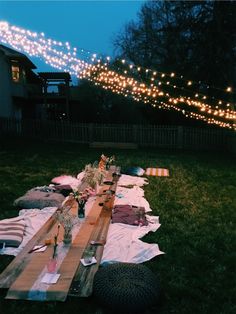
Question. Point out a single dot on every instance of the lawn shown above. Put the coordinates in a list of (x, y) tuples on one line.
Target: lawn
[(196, 205)]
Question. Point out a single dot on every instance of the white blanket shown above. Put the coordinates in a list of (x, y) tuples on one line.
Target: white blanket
[(123, 241), (126, 179), (124, 244), (133, 196)]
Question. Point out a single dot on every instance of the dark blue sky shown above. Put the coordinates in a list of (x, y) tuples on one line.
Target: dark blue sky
[(90, 25)]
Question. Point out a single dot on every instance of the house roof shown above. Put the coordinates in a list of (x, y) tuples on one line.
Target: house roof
[(16, 55), (56, 76)]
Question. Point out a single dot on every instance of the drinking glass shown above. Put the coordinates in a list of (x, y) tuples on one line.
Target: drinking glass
[(52, 265), (88, 256)]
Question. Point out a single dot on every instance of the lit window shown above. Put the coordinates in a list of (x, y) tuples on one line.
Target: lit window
[(15, 70)]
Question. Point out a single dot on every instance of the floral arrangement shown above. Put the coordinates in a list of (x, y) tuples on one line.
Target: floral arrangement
[(67, 220), (105, 162), (81, 198), (93, 175), (110, 160)]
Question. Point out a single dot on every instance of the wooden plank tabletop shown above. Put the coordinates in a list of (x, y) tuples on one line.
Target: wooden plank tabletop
[(13, 270), (82, 284), (22, 274)]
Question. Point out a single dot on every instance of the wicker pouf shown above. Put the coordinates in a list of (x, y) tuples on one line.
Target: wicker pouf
[(126, 287)]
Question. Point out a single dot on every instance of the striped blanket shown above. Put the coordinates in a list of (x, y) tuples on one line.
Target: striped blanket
[(12, 231), (159, 172)]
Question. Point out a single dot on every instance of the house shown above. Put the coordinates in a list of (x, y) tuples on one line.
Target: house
[(20, 87), (25, 94)]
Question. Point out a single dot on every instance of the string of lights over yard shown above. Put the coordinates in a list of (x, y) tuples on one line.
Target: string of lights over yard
[(161, 90)]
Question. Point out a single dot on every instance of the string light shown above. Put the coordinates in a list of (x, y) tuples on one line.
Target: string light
[(64, 57)]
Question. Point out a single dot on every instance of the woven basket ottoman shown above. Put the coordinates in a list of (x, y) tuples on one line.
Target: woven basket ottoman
[(126, 287)]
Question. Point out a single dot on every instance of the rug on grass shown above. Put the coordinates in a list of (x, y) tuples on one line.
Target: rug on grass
[(158, 172)]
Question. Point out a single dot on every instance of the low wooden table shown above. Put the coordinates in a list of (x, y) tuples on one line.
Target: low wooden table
[(22, 274)]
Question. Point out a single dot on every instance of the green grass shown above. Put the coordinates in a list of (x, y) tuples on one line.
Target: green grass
[(196, 205)]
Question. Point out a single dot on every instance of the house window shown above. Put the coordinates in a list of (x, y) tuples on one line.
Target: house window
[(15, 70)]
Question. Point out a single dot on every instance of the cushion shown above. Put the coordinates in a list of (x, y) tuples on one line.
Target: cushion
[(131, 215), (64, 189), (126, 287), (67, 180), (158, 172), (12, 231), (39, 199), (134, 171)]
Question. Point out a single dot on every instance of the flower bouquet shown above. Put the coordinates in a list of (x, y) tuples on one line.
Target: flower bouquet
[(67, 221), (93, 176)]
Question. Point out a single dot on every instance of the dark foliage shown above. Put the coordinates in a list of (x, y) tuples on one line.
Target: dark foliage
[(194, 38)]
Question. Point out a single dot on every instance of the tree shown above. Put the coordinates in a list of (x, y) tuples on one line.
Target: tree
[(196, 39), (97, 105)]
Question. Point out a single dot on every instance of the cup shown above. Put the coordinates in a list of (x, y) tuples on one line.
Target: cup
[(49, 238), (88, 256), (2, 248), (118, 169), (48, 241), (52, 265)]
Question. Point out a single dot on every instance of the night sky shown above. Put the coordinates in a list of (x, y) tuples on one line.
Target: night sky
[(90, 25)]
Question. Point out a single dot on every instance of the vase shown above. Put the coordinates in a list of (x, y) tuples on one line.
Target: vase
[(67, 238), (81, 208)]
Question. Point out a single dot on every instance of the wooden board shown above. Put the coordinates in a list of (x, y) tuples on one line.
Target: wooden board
[(25, 269), (82, 284), (14, 269)]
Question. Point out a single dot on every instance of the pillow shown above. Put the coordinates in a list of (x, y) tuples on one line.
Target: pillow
[(12, 231), (134, 171), (68, 180), (38, 199)]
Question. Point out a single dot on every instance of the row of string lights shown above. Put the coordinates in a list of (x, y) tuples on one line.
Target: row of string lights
[(161, 90)]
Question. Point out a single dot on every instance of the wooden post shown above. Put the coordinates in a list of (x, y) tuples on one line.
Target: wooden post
[(180, 137), (135, 138), (90, 129)]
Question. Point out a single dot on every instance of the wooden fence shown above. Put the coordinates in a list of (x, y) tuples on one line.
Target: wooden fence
[(171, 137)]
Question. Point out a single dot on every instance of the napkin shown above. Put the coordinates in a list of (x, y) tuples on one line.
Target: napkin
[(50, 278), (39, 248), (94, 261)]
